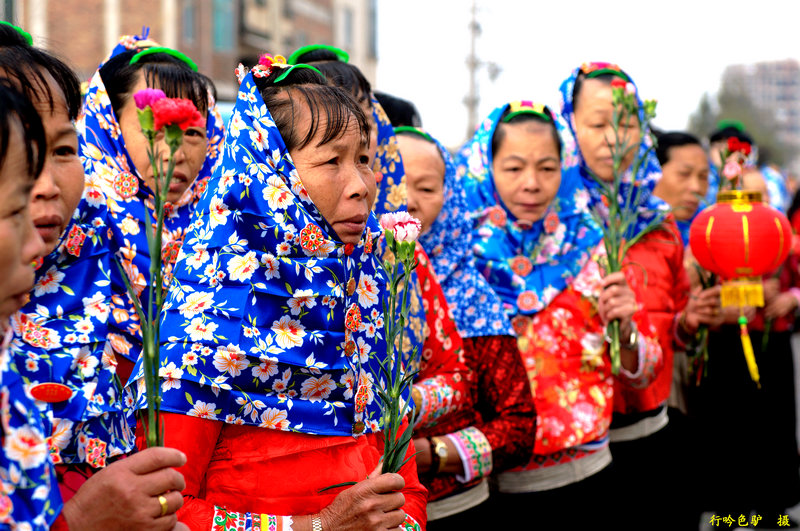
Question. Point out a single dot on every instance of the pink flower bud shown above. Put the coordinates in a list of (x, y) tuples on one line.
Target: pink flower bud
[(404, 226)]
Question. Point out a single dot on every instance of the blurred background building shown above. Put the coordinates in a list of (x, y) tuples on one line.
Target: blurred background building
[(216, 34)]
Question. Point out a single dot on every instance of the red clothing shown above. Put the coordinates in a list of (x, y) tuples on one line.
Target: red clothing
[(655, 269), (788, 276), (503, 410), (261, 471), (444, 380)]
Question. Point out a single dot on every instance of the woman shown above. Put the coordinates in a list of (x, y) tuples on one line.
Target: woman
[(497, 433), (29, 495), (766, 480), (60, 334), (114, 153), (272, 331), (684, 177), (640, 415), (541, 252), (443, 379)]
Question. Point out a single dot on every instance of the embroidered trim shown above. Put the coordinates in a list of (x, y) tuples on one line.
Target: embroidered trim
[(224, 520), (437, 400), (475, 452)]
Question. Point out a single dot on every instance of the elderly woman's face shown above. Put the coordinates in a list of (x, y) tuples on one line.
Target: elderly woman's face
[(189, 158), (594, 131), (337, 177)]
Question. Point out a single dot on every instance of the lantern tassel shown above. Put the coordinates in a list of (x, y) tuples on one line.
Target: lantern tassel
[(747, 347), (742, 294)]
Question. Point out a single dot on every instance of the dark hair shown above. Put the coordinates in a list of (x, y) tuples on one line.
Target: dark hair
[(400, 112), (340, 74), (15, 107), (161, 70), (499, 132), (727, 132), (333, 103), (667, 141), (605, 78), (19, 62)]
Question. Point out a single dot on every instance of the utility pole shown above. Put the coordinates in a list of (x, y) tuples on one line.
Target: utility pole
[(474, 64)]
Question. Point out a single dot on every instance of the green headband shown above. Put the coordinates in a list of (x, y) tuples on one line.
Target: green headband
[(526, 107), (611, 71), (25, 34), (169, 51), (341, 55), (415, 131), (288, 70), (736, 124)]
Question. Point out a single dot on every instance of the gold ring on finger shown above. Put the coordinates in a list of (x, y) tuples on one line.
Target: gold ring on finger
[(164, 508)]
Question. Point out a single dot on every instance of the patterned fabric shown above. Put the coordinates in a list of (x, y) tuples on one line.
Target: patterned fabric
[(392, 197), (269, 321), (526, 265), (569, 369), (638, 189), (444, 380), (61, 335), (476, 308), (128, 197), (779, 197), (233, 521), (475, 451), (29, 496), (503, 410)]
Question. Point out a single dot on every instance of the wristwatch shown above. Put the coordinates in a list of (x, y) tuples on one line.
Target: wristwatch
[(438, 455)]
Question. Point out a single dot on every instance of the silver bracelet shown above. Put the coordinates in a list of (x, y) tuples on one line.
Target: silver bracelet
[(316, 523)]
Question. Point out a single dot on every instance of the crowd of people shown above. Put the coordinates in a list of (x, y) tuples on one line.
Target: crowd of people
[(270, 400)]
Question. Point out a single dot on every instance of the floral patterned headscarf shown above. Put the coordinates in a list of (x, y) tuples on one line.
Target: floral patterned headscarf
[(648, 206), (29, 492), (526, 264), (105, 157), (476, 308), (270, 321), (61, 338)]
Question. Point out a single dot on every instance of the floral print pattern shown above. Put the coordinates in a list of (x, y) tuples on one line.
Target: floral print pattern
[(476, 308), (506, 249), (259, 327), (639, 187), (113, 178), (62, 336), (29, 495)]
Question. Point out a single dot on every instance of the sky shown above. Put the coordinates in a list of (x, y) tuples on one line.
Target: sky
[(675, 50)]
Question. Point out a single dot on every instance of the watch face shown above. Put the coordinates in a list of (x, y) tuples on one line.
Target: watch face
[(442, 451)]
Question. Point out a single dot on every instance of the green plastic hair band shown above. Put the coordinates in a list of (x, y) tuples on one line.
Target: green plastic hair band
[(611, 71), (341, 55), (287, 70), (25, 34), (414, 131), (163, 49), (736, 124), (511, 115)]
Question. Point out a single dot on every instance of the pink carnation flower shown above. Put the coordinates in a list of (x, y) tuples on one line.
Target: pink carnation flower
[(146, 97), (404, 226)]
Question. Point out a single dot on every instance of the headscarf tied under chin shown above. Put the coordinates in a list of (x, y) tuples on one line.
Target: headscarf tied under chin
[(648, 207), (528, 265), (476, 308), (111, 172), (270, 321)]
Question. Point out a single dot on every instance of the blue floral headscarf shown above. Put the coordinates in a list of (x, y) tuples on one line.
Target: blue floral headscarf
[(648, 206), (29, 492), (476, 308), (779, 197), (61, 338), (270, 321), (527, 265), (104, 155)]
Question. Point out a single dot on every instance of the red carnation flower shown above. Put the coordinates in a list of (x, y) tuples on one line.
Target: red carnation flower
[(618, 83), (176, 111)]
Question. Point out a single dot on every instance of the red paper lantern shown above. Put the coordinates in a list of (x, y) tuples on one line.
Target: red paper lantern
[(740, 239)]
